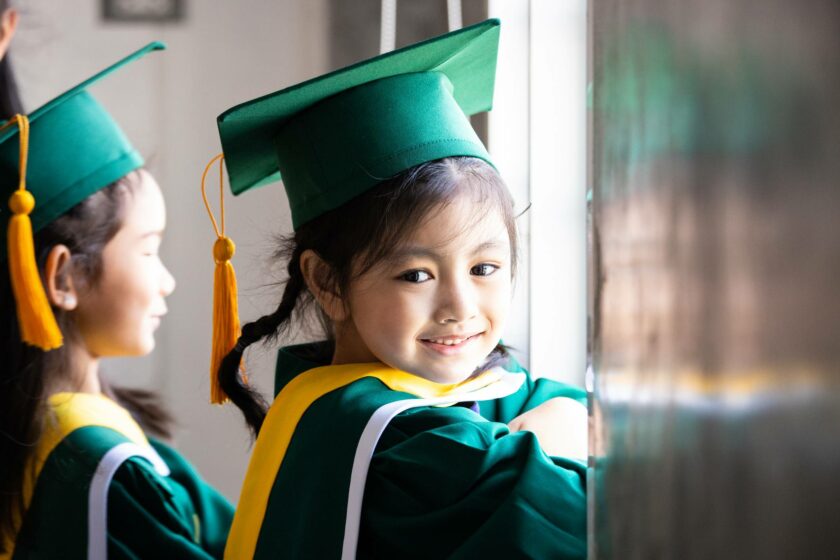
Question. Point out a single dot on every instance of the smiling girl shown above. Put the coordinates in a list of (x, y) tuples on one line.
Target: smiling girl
[(81, 475), (411, 432)]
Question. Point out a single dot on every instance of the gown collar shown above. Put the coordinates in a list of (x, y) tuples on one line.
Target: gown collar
[(294, 360)]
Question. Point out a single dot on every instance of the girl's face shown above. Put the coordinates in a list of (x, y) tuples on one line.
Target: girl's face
[(437, 307), (118, 315)]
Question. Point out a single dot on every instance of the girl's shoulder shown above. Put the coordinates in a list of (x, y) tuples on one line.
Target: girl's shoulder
[(58, 513), (146, 499)]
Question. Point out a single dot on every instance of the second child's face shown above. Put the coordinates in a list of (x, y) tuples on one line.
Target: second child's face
[(437, 307), (118, 316)]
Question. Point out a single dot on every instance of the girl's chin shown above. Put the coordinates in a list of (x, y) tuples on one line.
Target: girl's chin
[(144, 347), (449, 374)]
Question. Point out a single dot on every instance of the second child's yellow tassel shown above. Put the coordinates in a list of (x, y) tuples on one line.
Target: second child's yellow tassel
[(226, 328), (36, 320)]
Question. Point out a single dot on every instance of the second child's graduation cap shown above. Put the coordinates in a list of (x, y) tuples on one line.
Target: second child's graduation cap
[(75, 149), (336, 136), (57, 156)]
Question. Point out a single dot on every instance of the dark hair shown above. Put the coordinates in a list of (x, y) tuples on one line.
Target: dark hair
[(29, 374), (10, 104), (354, 238)]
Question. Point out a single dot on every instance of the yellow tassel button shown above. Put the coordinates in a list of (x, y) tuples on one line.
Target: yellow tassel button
[(22, 202), (223, 249)]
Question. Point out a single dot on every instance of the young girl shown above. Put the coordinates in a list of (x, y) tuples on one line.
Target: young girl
[(412, 432), (81, 476)]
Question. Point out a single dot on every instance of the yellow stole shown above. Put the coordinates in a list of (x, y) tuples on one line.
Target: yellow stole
[(282, 419), (69, 412)]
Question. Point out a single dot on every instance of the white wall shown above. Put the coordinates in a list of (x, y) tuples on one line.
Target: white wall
[(537, 136), (222, 54)]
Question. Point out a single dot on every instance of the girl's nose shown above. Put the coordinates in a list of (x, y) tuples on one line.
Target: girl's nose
[(457, 303), (167, 285)]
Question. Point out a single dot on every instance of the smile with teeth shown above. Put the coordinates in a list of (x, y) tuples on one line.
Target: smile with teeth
[(455, 340), (449, 342)]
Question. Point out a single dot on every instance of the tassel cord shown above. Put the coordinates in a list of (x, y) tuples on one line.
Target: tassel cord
[(226, 327)]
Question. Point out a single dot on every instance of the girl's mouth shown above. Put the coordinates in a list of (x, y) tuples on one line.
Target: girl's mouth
[(449, 345)]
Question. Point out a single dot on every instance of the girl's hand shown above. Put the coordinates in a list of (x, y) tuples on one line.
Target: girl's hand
[(560, 425)]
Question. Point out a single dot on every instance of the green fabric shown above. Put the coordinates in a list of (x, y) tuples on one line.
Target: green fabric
[(149, 516), (532, 393), (443, 482), (307, 504), (75, 149), (336, 136)]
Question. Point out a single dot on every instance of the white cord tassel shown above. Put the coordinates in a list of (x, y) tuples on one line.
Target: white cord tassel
[(453, 14), (388, 26)]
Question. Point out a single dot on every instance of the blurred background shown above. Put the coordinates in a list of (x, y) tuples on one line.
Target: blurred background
[(222, 53), (715, 266)]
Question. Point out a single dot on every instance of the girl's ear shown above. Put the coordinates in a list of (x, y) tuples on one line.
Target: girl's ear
[(8, 25), (314, 271), (58, 279)]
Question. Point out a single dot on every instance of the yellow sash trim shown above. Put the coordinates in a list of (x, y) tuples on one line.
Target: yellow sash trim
[(282, 419), (68, 412)]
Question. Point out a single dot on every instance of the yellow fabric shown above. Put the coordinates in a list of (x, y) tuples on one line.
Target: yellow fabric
[(226, 327), (36, 321), (69, 412), (282, 419)]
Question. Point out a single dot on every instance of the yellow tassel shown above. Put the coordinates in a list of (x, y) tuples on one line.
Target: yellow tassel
[(38, 326), (225, 313), (226, 329)]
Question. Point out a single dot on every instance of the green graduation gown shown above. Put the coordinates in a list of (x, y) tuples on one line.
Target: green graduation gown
[(103, 489), (441, 482)]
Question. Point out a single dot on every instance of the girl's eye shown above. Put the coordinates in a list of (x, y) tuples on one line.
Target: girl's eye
[(415, 276), (483, 269)]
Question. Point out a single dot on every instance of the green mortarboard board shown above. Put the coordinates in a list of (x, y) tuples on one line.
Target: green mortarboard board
[(336, 136), (75, 149)]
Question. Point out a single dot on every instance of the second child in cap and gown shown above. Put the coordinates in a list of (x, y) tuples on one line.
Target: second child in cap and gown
[(85, 472)]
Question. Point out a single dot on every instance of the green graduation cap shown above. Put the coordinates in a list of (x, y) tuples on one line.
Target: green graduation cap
[(75, 149), (54, 158), (336, 136)]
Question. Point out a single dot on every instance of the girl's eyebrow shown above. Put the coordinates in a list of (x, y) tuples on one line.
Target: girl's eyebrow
[(424, 252), (157, 232), (413, 252), (494, 244)]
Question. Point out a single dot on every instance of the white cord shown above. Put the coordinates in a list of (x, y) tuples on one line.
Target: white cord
[(388, 22), (453, 14), (388, 26)]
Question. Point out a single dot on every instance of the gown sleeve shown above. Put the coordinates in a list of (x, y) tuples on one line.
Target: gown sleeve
[(533, 393), (446, 483), (179, 516)]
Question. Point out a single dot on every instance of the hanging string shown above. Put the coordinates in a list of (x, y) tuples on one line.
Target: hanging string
[(36, 320), (453, 15), (388, 26), (226, 328), (388, 22)]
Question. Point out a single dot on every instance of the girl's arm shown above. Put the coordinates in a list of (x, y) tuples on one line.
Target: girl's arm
[(532, 394), (446, 484), (561, 426), (179, 516)]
